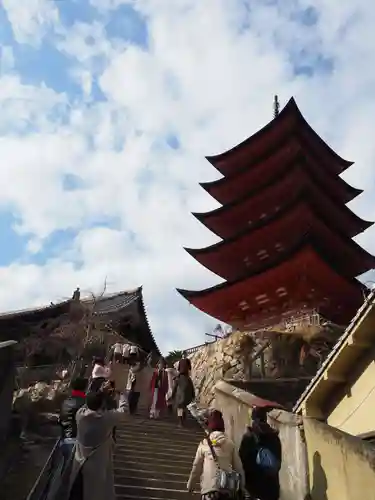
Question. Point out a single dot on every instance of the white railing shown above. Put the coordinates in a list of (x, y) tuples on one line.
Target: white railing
[(196, 348)]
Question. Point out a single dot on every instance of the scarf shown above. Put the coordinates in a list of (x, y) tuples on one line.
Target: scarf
[(78, 394)]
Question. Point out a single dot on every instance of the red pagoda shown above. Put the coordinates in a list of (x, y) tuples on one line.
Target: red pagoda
[(286, 233)]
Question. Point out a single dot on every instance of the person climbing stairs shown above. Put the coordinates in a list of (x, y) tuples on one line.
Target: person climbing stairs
[(153, 458)]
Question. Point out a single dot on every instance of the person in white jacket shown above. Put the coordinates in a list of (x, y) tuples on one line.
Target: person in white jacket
[(205, 466), (100, 373), (125, 353), (117, 352)]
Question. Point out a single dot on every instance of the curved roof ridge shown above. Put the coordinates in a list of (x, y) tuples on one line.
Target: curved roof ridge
[(290, 107), (20, 312), (268, 156), (306, 240), (200, 216), (213, 158), (299, 198), (142, 303)]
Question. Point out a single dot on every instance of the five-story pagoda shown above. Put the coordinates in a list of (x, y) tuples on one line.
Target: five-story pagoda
[(286, 233)]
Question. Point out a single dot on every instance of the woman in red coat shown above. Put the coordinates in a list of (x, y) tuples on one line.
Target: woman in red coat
[(159, 389)]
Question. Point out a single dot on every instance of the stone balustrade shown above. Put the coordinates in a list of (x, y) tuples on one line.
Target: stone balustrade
[(236, 405), (319, 462)]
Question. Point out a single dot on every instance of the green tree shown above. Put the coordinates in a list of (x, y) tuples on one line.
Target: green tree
[(173, 356)]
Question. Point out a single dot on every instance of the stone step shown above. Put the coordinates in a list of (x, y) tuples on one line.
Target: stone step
[(137, 492), (155, 433), (155, 447), (153, 458), (134, 421), (148, 438), (148, 464), (142, 471), (161, 422), (184, 434), (140, 457), (132, 497), (165, 417), (147, 480), (149, 496)]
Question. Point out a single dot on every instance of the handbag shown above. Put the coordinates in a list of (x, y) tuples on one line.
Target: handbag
[(228, 482)]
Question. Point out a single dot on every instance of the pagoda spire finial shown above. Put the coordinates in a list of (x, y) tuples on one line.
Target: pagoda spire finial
[(276, 106)]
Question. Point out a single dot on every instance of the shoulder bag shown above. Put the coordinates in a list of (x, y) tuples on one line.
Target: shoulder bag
[(228, 482)]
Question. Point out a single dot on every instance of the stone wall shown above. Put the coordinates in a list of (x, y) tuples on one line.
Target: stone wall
[(341, 466), (227, 358), (236, 405), (260, 354)]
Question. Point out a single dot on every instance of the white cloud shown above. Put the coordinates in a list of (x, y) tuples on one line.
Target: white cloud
[(31, 19), (207, 77), (6, 59)]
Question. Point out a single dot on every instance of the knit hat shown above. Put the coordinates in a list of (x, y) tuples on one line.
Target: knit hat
[(215, 421)]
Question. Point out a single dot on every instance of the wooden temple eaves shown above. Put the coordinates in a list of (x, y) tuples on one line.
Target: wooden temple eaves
[(274, 164), (123, 310), (230, 219), (285, 227), (290, 118), (275, 234), (305, 277)]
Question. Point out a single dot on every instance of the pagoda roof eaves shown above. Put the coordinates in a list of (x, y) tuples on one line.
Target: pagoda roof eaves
[(299, 199), (290, 108), (208, 186), (307, 240), (291, 104), (201, 216)]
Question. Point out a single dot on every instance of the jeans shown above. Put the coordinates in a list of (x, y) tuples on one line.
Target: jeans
[(66, 447)]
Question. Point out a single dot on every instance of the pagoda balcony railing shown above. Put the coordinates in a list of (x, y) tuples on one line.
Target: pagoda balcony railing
[(311, 318), (290, 320)]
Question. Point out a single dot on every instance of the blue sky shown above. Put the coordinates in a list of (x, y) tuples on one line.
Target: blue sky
[(108, 108)]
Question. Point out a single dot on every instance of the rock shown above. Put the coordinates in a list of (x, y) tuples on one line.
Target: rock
[(40, 398), (231, 373), (218, 360)]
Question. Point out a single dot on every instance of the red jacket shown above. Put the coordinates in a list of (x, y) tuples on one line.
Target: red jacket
[(163, 386)]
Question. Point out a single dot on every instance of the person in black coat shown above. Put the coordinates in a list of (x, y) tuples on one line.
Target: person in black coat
[(261, 482), (184, 365), (70, 406), (183, 394)]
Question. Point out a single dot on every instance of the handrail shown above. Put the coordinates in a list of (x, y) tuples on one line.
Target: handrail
[(194, 349), (40, 489), (199, 415)]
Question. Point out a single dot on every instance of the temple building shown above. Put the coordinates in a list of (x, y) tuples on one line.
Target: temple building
[(67, 324), (286, 232)]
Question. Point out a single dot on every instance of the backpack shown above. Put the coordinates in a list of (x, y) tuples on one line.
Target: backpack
[(267, 460)]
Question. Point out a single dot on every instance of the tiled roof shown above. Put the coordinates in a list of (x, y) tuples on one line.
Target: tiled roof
[(117, 301), (108, 304)]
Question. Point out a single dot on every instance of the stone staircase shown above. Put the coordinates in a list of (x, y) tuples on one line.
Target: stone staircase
[(153, 458)]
